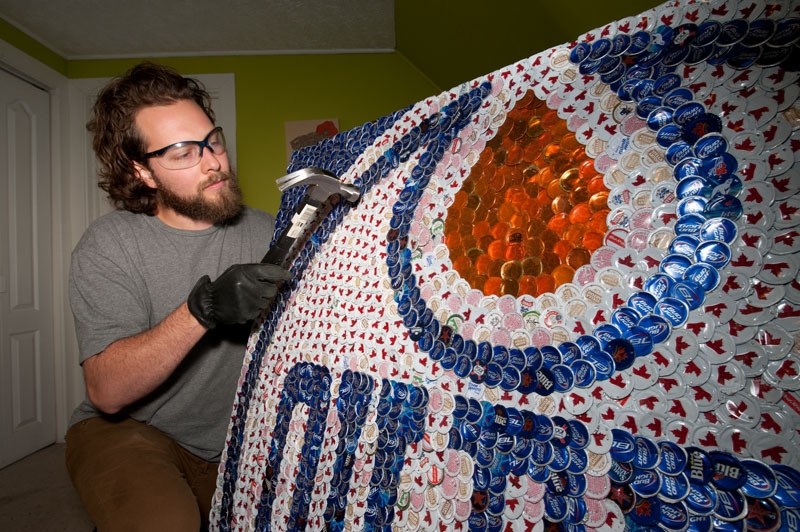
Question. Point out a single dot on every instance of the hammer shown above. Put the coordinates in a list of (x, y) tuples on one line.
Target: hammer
[(323, 193)]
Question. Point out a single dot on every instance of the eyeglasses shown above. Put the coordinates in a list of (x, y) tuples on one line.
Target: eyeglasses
[(188, 153)]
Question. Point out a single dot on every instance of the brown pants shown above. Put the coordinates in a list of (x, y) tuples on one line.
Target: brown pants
[(133, 477)]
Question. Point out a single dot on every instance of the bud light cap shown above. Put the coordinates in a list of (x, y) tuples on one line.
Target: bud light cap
[(761, 479)]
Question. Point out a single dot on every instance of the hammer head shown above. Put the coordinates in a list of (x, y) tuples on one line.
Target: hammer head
[(321, 184)]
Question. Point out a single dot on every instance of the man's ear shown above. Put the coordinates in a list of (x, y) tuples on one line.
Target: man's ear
[(144, 174)]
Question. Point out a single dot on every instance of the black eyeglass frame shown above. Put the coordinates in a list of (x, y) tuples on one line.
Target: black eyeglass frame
[(202, 143)]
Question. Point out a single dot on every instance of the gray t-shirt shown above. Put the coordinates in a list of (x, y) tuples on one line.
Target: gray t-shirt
[(128, 272)]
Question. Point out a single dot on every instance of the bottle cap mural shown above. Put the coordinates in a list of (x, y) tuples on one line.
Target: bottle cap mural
[(566, 299)]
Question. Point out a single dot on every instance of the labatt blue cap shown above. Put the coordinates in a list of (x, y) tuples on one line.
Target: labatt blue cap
[(729, 474)]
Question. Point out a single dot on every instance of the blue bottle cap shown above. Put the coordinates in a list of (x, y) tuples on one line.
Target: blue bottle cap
[(710, 145), (788, 490), (517, 359), (578, 435), (666, 83), (698, 54), (511, 378), (555, 507), (600, 48), (493, 376), (702, 126), (541, 453), (577, 484), (719, 168), (569, 352), (673, 458), (621, 352), (691, 166), (694, 185), (560, 460), (603, 364), (563, 378), (678, 151), (691, 205), (619, 44), (789, 519), (544, 428), (514, 424), (678, 97), (719, 229), (639, 42), (699, 468), (787, 33), (605, 332), (659, 285), (707, 32), (674, 488), (731, 505), (623, 445), (689, 292), (624, 318), (538, 473), (641, 341), (642, 302), (657, 327), (528, 430), (545, 382), (687, 113), (684, 245), (620, 472), (668, 133), (533, 358), (585, 373), (580, 52), (674, 265), (724, 206), (702, 499), (715, 254), (761, 481), (729, 474), (700, 523), (732, 32), (550, 356), (674, 517), (675, 311), (689, 224), (646, 512), (647, 454), (642, 90), (645, 483), (588, 344)]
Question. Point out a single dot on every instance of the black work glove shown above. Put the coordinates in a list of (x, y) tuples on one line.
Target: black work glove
[(237, 296)]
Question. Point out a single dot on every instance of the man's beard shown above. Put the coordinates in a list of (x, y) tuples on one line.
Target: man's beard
[(226, 206)]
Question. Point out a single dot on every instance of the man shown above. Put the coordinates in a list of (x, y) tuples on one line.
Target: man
[(161, 344)]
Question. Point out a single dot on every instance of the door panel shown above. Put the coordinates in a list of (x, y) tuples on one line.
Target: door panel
[(27, 365)]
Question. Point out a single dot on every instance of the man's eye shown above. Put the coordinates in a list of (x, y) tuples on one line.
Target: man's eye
[(181, 153)]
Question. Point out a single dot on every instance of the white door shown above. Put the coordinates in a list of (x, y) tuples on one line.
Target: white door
[(27, 362)]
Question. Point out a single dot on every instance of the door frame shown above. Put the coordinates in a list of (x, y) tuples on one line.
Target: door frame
[(66, 224)]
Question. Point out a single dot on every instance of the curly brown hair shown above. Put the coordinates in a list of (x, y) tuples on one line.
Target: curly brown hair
[(118, 144)]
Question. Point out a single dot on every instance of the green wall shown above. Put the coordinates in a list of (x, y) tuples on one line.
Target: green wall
[(273, 89)]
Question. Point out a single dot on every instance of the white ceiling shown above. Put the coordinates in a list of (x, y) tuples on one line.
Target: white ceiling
[(97, 29)]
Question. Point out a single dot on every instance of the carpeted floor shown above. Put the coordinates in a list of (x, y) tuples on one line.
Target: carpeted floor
[(36, 495)]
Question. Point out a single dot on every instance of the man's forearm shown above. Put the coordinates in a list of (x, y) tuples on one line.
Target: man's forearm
[(131, 368)]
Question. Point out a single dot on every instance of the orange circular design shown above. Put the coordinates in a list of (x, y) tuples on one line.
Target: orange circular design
[(531, 211)]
